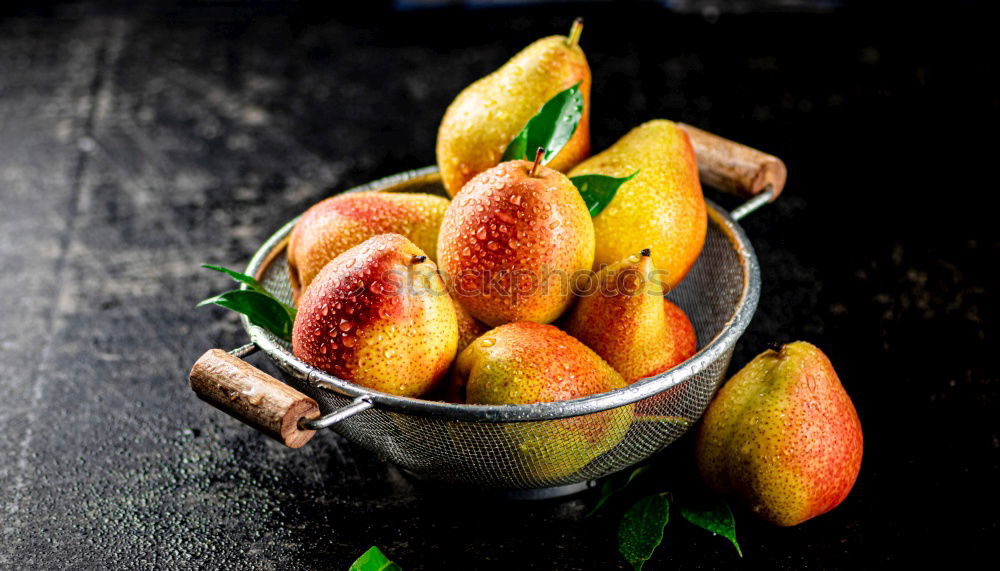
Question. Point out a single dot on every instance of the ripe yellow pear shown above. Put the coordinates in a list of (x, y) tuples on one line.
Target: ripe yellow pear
[(661, 208), (487, 115)]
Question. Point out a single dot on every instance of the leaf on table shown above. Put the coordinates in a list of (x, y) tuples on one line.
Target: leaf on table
[(374, 560), (261, 309), (614, 485), (641, 529), (598, 190), (713, 515), (551, 128)]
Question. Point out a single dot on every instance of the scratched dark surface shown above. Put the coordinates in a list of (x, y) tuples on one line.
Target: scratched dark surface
[(137, 143)]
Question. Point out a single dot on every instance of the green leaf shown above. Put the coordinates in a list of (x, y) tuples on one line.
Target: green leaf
[(598, 190), (374, 560), (260, 311), (712, 515), (261, 308), (641, 529), (242, 278), (518, 148), (612, 486), (551, 128)]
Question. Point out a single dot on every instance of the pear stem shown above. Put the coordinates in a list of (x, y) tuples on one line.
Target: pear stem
[(574, 33), (538, 160)]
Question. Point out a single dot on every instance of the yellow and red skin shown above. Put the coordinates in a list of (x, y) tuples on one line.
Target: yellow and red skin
[(478, 125), (783, 435), (684, 344), (626, 321), (526, 362), (544, 231), (469, 328), (681, 333), (332, 226), (399, 342), (661, 208)]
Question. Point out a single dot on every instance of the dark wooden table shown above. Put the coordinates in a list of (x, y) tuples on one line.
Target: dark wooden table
[(139, 142)]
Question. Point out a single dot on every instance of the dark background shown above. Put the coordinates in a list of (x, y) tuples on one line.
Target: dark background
[(140, 140)]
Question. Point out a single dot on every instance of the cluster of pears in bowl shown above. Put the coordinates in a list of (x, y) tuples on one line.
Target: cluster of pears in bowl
[(504, 330), (538, 281)]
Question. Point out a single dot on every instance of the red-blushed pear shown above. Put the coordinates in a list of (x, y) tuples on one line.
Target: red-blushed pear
[(681, 333), (379, 315), (511, 242), (524, 363), (783, 436), (333, 225), (624, 318)]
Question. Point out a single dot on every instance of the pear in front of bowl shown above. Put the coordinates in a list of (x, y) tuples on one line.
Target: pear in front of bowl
[(783, 436)]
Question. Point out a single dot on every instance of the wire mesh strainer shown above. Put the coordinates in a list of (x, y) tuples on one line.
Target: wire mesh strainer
[(546, 446)]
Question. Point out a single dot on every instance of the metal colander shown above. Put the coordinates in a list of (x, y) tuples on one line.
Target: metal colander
[(556, 446)]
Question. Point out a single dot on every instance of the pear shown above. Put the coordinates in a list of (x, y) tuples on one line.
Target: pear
[(783, 436), (661, 208), (379, 315), (488, 114), (524, 363), (624, 319), (512, 241), (469, 328), (332, 226), (680, 331)]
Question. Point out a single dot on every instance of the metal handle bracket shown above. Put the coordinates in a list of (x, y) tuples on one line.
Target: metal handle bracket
[(362, 403), (748, 207)]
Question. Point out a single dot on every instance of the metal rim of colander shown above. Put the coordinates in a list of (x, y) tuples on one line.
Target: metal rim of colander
[(723, 341)]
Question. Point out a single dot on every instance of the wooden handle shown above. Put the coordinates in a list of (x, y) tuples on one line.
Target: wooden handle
[(735, 168), (252, 396)]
